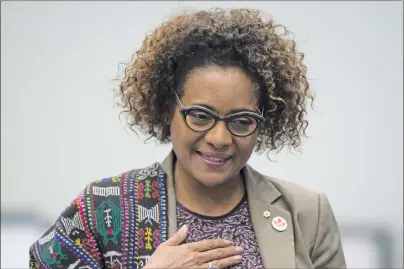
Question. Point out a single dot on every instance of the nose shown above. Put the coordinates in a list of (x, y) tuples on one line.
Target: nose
[(219, 136)]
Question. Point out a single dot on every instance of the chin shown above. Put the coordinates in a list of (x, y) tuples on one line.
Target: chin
[(211, 179)]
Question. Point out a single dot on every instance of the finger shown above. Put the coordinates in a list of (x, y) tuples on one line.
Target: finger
[(220, 253), (178, 237), (224, 263), (208, 244)]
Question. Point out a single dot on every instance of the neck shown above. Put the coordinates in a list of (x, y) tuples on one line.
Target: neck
[(217, 200)]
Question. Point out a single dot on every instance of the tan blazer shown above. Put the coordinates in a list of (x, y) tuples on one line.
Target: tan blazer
[(312, 238)]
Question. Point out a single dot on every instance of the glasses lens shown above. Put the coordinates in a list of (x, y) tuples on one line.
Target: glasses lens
[(243, 125), (199, 120)]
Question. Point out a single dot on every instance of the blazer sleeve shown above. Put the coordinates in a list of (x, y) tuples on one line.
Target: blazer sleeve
[(327, 249), (69, 243)]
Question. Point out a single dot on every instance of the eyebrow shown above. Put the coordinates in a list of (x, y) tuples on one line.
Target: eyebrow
[(232, 111)]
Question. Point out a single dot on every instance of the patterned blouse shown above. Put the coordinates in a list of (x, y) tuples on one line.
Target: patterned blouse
[(235, 226)]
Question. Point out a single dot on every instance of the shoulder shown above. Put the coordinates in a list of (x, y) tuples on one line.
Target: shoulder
[(301, 202), (114, 180), (296, 194), (119, 186), (308, 204), (108, 187), (281, 192)]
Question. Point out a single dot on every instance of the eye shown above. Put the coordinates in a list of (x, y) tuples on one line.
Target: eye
[(199, 117), (242, 125), (243, 121)]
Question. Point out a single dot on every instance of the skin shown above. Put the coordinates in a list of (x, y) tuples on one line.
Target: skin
[(221, 188), (223, 89), (173, 254)]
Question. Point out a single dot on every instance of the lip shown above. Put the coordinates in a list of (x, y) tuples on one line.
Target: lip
[(212, 164), (215, 155)]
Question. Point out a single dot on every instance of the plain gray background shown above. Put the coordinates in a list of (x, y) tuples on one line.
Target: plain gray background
[(60, 129)]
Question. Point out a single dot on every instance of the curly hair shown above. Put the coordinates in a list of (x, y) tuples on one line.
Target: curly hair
[(239, 37)]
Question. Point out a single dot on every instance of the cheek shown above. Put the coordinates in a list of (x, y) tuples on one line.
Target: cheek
[(175, 130), (181, 136), (246, 145)]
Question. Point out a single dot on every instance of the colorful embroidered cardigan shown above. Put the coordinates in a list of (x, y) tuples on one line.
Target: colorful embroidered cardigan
[(116, 222)]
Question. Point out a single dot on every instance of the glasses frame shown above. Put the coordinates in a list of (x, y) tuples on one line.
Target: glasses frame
[(185, 110)]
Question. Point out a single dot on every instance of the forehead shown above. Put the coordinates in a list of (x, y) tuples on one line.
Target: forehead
[(222, 88)]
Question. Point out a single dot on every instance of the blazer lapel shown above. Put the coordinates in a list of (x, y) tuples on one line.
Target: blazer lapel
[(168, 168), (276, 247)]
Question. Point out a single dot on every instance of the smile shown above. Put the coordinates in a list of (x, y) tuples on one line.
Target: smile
[(213, 160)]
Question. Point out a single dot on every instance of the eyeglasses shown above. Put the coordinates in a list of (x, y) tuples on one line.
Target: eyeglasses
[(201, 119)]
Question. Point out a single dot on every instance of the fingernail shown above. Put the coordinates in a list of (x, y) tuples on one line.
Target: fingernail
[(184, 227), (239, 249), (227, 241), (238, 258)]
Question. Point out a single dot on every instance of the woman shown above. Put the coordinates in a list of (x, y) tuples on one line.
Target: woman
[(217, 85)]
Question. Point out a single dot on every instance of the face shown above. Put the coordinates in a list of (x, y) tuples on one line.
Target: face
[(215, 156)]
